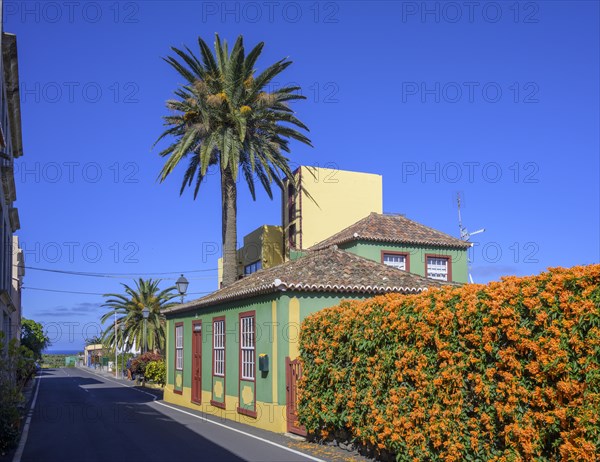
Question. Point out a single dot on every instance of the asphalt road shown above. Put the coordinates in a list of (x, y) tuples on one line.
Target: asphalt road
[(80, 416)]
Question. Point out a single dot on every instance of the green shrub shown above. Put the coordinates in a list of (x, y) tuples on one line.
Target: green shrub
[(156, 371), (25, 365), (14, 371), (10, 399), (138, 365), (33, 337), (505, 371)]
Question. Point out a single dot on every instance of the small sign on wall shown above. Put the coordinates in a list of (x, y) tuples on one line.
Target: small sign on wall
[(263, 362)]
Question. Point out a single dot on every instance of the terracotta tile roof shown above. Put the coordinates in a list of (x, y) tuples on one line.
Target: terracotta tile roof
[(394, 229), (329, 270)]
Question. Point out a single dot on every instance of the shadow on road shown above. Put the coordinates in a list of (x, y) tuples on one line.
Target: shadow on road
[(79, 418)]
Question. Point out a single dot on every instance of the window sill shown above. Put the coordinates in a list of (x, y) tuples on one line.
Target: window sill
[(217, 404), (247, 412)]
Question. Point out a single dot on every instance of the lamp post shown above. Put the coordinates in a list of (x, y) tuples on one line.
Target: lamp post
[(182, 285), (122, 329), (116, 350), (145, 313)]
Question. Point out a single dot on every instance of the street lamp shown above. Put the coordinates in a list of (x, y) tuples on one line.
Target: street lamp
[(145, 313), (182, 285), (116, 350), (122, 329)]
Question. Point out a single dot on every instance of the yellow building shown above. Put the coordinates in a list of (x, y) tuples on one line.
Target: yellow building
[(263, 248), (325, 202)]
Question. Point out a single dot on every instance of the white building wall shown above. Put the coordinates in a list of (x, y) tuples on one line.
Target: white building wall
[(10, 148)]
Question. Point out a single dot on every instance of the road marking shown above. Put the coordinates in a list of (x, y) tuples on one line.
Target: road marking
[(250, 435), (242, 432), (122, 384), (23, 440)]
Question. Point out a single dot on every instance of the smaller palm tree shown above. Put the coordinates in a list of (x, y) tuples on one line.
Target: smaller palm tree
[(128, 309)]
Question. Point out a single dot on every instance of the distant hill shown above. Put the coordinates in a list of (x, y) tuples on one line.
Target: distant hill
[(52, 360)]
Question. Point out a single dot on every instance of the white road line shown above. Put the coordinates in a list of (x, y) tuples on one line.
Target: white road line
[(250, 435), (23, 440), (122, 384)]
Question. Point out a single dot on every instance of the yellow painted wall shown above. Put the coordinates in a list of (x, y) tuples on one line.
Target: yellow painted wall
[(274, 351), (273, 253), (219, 272), (265, 243), (251, 251), (294, 320), (269, 417), (342, 198)]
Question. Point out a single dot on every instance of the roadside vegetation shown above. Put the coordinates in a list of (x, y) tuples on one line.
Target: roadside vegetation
[(152, 367), (131, 328), (17, 367), (504, 371), (132, 332), (53, 361)]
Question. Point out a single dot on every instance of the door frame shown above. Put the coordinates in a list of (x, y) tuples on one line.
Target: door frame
[(293, 371), (196, 379)]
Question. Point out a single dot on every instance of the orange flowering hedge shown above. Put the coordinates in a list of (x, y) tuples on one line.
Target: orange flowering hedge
[(504, 371)]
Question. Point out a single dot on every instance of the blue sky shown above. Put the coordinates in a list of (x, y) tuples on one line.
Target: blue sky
[(497, 101)]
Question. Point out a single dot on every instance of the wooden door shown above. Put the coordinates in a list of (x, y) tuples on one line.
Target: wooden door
[(197, 362), (293, 371)]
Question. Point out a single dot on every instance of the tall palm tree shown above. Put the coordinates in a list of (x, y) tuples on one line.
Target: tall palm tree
[(128, 309), (224, 116)]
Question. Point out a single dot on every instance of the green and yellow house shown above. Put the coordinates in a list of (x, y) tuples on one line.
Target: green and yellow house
[(233, 353), (405, 244)]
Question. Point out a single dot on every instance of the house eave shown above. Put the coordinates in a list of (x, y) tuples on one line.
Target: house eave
[(15, 222), (358, 238), (300, 287), (8, 183), (11, 76)]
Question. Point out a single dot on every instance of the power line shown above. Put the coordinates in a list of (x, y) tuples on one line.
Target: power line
[(61, 291), (116, 275), (121, 274), (92, 293)]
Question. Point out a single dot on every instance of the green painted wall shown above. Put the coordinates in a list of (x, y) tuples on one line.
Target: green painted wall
[(169, 355), (231, 311), (296, 254), (372, 251), (187, 352), (286, 333), (218, 381)]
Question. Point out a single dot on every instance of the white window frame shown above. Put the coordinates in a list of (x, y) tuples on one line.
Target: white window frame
[(247, 347), (434, 268), (219, 347), (179, 347), (399, 265)]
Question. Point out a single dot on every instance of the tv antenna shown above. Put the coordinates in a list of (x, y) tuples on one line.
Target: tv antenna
[(465, 235)]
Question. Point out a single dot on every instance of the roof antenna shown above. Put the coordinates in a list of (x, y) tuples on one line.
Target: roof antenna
[(465, 235)]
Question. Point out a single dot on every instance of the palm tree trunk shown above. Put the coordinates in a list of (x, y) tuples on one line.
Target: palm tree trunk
[(229, 227)]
